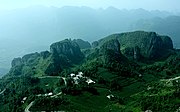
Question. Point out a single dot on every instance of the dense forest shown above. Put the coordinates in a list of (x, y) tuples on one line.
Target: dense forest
[(123, 72)]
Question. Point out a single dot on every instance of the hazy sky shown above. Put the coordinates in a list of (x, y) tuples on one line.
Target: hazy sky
[(168, 5)]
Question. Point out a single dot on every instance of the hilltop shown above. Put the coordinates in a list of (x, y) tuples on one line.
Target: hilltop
[(129, 71)]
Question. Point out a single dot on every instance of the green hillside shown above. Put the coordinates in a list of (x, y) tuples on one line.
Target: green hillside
[(128, 72)]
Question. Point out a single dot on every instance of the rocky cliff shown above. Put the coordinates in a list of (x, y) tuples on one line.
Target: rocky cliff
[(116, 48), (82, 44), (142, 44), (68, 48), (112, 45), (110, 50), (62, 55)]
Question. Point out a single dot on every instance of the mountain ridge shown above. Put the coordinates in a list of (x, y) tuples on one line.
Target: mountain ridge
[(138, 45), (101, 78), (43, 25)]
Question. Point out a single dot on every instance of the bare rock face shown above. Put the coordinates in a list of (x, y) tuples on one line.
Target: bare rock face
[(137, 54), (132, 52), (68, 48), (167, 42), (110, 50), (139, 44), (158, 46), (155, 45), (112, 45), (82, 44)]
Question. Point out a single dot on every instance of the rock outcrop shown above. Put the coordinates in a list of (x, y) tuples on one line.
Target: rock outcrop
[(82, 44), (136, 53), (142, 44), (110, 51), (167, 42), (112, 45), (67, 48), (62, 55)]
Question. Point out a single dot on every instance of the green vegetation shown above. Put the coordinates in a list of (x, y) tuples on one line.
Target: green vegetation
[(104, 79)]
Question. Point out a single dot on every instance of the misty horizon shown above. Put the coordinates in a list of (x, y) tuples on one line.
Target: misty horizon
[(100, 8), (150, 5), (24, 24)]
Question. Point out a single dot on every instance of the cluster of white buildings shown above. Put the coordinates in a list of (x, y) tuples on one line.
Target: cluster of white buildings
[(77, 78)]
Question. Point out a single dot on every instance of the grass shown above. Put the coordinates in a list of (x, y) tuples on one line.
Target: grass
[(48, 82), (87, 102), (107, 75)]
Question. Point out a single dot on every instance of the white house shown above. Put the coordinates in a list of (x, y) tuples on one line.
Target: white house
[(110, 96), (89, 81)]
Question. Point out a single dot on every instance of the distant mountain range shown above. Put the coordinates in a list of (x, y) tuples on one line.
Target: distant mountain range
[(32, 29)]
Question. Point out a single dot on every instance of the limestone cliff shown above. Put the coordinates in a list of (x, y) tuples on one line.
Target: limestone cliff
[(82, 44), (62, 55), (142, 44), (68, 48)]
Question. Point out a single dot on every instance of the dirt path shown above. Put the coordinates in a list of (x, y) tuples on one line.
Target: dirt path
[(65, 82), (28, 107), (2, 91), (49, 77)]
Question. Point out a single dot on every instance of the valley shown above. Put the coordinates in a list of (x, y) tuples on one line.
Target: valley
[(126, 72)]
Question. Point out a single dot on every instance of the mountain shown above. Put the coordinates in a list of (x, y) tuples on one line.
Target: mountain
[(168, 26), (132, 71), (142, 44), (32, 29), (62, 54), (82, 44), (133, 45), (70, 21)]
